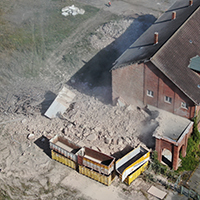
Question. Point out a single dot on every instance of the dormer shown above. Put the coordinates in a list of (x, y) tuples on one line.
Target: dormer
[(195, 64)]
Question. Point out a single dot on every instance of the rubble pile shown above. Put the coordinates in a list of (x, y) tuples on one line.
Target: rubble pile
[(87, 122), (108, 33)]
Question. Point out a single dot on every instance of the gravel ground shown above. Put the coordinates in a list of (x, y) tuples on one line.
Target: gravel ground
[(26, 170)]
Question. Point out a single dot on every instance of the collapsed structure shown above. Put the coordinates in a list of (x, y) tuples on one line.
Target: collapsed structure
[(162, 69)]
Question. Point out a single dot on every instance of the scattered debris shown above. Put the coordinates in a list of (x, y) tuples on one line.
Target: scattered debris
[(108, 140), (24, 121), (92, 137), (120, 102), (72, 10), (31, 136), (27, 99), (120, 141)]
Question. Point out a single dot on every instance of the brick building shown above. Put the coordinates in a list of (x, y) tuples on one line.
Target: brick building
[(162, 67)]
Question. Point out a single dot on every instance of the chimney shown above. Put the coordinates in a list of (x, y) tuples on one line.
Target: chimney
[(173, 15), (190, 2), (156, 38)]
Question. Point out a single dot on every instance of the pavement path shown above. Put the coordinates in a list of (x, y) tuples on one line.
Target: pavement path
[(194, 181), (132, 7)]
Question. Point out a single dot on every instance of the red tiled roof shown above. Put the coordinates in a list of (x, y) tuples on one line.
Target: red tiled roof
[(178, 42), (174, 57)]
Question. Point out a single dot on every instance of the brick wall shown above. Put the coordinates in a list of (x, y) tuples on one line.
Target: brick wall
[(127, 83), (132, 82), (198, 114), (158, 82), (173, 147)]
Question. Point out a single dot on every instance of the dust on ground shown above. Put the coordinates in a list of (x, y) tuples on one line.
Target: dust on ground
[(30, 82)]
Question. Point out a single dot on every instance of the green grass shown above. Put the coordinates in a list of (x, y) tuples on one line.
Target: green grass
[(192, 158), (159, 168), (4, 195), (27, 45), (40, 30), (198, 116), (38, 35)]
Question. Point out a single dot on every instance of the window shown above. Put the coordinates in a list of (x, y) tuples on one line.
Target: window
[(149, 93), (184, 105), (168, 99)]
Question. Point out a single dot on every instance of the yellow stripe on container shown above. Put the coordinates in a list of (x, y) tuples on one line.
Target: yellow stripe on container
[(107, 180), (138, 161), (129, 179), (62, 159)]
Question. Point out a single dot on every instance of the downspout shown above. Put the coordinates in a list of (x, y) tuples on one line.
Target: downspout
[(158, 92), (195, 111), (174, 103), (144, 85)]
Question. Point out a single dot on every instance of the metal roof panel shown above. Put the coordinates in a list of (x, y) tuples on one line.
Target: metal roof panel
[(60, 104), (195, 63)]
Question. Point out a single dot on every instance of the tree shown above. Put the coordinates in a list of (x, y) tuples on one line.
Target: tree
[(196, 134)]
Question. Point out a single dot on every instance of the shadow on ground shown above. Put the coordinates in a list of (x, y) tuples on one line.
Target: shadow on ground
[(123, 152), (43, 143), (94, 78), (49, 98)]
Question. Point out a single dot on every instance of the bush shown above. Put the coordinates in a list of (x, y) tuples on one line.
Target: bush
[(196, 134), (191, 160), (149, 177), (159, 168), (156, 165)]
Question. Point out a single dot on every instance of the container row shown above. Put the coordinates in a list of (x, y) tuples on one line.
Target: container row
[(97, 165)]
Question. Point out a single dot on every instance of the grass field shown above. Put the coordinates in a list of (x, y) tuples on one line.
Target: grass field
[(42, 30), (28, 37)]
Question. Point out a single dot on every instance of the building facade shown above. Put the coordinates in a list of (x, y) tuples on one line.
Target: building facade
[(144, 83), (161, 68)]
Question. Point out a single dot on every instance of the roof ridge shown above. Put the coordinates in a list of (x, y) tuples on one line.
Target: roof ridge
[(158, 65), (144, 48)]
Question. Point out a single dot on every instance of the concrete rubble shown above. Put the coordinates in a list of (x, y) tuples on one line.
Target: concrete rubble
[(72, 10)]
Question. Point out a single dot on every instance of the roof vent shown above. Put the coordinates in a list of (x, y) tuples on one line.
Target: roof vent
[(173, 15), (156, 38), (190, 2), (198, 86)]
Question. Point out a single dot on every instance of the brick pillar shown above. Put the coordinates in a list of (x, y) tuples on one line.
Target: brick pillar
[(159, 148), (184, 148), (175, 156)]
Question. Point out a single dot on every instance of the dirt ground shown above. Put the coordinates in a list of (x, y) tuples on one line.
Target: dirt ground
[(42, 51)]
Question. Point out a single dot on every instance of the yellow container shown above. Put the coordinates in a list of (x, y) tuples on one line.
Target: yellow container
[(131, 162), (102, 163), (107, 180), (129, 179), (63, 159)]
